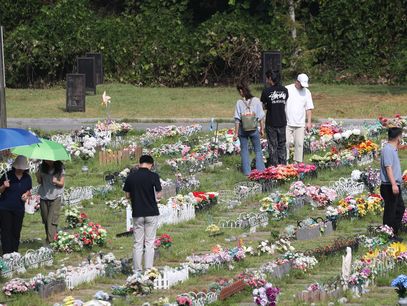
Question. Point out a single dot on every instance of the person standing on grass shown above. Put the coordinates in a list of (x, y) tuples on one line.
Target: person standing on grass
[(299, 105), (274, 99), (143, 188), (249, 115), (15, 188), (391, 179), (51, 178)]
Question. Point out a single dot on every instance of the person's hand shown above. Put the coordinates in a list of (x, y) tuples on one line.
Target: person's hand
[(308, 127), (6, 184), (235, 137), (54, 180), (25, 196), (395, 189), (262, 132)]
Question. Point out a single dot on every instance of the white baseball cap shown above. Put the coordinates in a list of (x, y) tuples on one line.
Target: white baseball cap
[(303, 79)]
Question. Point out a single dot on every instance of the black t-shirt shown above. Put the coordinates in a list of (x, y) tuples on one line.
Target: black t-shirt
[(141, 185), (274, 99)]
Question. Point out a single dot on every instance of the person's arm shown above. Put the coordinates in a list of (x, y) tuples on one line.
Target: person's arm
[(237, 125), (4, 184), (237, 120), (309, 118), (127, 195), (262, 127), (393, 182), (158, 188), (309, 107), (59, 183)]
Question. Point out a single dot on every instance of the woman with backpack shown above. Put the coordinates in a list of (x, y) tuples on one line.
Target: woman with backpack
[(249, 117)]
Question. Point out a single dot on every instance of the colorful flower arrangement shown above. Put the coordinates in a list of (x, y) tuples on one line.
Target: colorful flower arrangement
[(266, 295), (400, 283), (153, 134), (320, 196), (396, 121), (183, 301), (360, 206), (142, 283), (66, 242), (301, 262), (114, 127), (219, 256), (366, 147), (74, 217), (277, 204), (164, 241), (205, 199), (92, 234), (252, 279), (282, 172), (119, 204), (18, 286)]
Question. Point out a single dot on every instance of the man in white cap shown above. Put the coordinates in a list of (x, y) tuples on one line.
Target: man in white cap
[(298, 110)]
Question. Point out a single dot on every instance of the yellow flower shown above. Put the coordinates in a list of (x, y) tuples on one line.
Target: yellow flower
[(396, 248), (371, 254)]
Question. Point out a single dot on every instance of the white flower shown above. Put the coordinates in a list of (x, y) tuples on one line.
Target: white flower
[(337, 136), (356, 132)]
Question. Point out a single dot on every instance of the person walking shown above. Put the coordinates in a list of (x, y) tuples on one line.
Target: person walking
[(274, 99), (249, 114), (391, 179), (51, 178), (15, 186), (143, 188), (299, 105)]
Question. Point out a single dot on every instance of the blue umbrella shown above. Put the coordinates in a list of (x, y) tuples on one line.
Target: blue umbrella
[(11, 138)]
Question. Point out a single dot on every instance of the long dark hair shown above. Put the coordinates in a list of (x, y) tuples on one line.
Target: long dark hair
[(58, 167), (245, 89)]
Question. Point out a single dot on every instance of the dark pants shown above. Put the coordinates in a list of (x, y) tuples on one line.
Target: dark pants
[(276, 138), (393, 207), (11, 223), (50, 210)]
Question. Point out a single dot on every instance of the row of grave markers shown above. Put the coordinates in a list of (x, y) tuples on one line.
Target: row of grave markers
[(89, 73)]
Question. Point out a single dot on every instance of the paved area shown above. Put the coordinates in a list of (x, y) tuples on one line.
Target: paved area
[(64, 124)]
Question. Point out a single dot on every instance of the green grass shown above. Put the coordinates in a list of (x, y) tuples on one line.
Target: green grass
[(190, 238), (131, 102)]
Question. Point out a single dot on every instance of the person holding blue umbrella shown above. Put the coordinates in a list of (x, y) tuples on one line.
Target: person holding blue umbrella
[(15, 186), (51, 178)]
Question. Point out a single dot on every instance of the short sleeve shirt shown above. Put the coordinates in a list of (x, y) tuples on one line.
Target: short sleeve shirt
[(252, 105), (274, 99), (142, 185), (47, 190), (10, 199), (299, 101), (389, 158)]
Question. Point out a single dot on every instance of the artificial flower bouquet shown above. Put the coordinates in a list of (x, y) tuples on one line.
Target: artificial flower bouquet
[(266, 295), (205, 199), (92, 234), (18, 286), (66, 242), (119, 204), (277, 204), (213, 230), (142, 283), (74, 217), (395, 121), (400, 284), (183, 300), (164, 241)]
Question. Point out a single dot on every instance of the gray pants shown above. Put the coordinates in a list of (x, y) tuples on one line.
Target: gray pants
[(144, 230), (50, 210)]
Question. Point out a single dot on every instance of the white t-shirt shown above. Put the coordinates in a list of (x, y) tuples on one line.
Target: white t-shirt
[(298, 102)]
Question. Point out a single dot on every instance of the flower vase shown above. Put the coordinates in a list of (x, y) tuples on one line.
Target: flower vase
[(85, 168), (403, 301)]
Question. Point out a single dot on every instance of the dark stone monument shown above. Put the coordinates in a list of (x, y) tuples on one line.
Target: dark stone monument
[(270, 60), (75, 92), (86, 65), (98, 66)]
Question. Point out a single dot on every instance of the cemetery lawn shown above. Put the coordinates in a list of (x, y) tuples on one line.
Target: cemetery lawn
[(190, 238), (132, 103)]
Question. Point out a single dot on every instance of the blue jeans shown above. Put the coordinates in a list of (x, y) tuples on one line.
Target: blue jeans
[(244, 150)]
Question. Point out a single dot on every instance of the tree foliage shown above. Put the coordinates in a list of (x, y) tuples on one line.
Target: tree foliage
[(187, 42)]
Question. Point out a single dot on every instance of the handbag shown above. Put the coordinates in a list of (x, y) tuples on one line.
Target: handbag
[(249, 119)]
